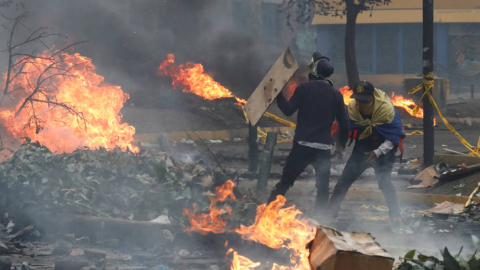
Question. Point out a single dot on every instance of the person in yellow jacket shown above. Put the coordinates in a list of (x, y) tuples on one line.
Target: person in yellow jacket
[(378, 130)]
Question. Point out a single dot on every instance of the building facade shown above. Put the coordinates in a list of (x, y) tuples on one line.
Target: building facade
[(389, 42)]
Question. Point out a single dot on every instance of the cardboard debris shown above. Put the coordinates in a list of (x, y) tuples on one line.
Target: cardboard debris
[(446, 208), (271, 86), (334, 250), (428, 177)]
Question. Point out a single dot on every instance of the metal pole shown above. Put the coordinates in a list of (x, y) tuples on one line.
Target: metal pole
[(252, 149), (428, 137), (472, 91), (266, 161), (164, 143)]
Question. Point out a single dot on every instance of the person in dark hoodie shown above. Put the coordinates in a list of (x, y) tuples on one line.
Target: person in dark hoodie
[(318, 104)]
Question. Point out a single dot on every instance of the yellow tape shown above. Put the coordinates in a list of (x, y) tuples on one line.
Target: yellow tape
[(428, 83), (263, 135), (280, 120), (415, 132)]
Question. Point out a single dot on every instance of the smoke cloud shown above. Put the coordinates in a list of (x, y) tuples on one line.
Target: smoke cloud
[(127, 40)]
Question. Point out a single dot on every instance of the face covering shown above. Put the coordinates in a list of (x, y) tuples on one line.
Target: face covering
[(365, 108)]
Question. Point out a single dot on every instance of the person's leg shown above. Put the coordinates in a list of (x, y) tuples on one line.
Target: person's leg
[(354, 168), (322, 164), (297, 161), (383, 172)]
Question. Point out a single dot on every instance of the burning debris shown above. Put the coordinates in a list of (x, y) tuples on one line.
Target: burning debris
[(192, 78), (64, 104), (275, 227)]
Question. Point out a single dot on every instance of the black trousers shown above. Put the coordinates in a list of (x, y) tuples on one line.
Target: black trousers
[(298, 159), (355, 166)]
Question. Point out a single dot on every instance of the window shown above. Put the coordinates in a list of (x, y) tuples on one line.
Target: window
[(412, 48), (364, 48), (387, 48)]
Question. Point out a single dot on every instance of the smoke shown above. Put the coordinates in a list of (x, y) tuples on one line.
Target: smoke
[(129, 39)]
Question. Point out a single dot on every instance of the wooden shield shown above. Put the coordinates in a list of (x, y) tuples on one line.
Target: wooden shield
[(266, 92)]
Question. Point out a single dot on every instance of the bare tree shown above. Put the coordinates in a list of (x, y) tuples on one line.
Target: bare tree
[(304, 10), (47, 66)]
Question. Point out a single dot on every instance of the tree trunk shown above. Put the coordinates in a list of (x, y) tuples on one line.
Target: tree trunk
[(350, 56)]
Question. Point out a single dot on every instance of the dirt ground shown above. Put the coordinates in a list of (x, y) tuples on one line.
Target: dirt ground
[(233, 155)]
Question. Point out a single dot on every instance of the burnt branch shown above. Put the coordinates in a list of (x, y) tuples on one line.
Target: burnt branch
[(18, 60)]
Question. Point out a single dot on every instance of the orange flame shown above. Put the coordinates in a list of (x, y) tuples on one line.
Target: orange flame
[(279, 228), (407, 104), (346, 92), (397, 101), (274, 226), (212, 222), (85, 92), (292, 86), (240, 262), (192, 78)]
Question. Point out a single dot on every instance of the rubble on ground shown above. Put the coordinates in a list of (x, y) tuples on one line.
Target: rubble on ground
[(142, 186)]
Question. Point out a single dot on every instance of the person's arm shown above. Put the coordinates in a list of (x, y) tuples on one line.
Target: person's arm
[(384, 148), (289, 107), (343, 121)]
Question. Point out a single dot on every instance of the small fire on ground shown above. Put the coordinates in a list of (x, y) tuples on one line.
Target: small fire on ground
[(97, 121), (275, 227)]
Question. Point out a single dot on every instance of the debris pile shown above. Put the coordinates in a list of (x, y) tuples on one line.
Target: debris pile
[(116, 184)]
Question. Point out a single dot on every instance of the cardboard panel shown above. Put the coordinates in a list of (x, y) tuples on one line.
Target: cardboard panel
[(266, 92), (334, 250)]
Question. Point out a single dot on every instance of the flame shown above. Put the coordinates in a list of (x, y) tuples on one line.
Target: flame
[(86, 92), (278, 227), (275, 227), (397, 101), (407, 104), (346, 92), (240, 262), (212, 222), (192, 78), (292, 86)]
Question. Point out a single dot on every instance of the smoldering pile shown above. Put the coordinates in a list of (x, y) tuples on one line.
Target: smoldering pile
[(136, 186)]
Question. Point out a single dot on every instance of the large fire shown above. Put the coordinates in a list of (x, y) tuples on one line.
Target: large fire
[(192, 78), (278, 227), (98, 123), (275, 227)]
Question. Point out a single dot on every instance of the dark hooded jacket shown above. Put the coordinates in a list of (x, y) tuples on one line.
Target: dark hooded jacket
[(318, 104)]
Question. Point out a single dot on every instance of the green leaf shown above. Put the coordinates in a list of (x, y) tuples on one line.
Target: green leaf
[(410, 254), (450, 262), (458, 255)]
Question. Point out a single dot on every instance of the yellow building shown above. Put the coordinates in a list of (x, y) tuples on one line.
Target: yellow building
[(389, 41)]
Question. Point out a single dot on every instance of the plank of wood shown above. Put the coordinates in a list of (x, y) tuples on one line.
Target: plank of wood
[(275, 80)]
